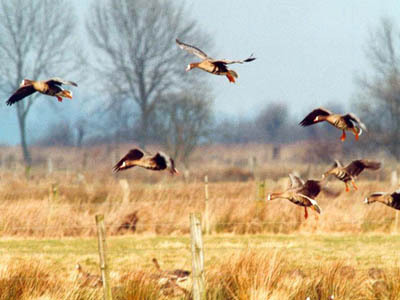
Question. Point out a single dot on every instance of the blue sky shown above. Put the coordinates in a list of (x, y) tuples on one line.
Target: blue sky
[(308, 54)]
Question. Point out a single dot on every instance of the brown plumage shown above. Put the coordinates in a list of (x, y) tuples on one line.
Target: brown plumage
[(389, 199), (345, 122), (301, 193), (129, 222), (87, 279), (51, 87), (136, 157), (213, 66), (350, 172), (177, 274)]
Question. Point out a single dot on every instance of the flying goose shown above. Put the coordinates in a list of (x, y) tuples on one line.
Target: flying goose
[(301, 193), (348, 122), (213, 66), (136, 157), (350, 172), (389, 199), (51, 87)]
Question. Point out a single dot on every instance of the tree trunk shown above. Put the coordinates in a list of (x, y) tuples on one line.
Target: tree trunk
[(144, 128), (22, 131)]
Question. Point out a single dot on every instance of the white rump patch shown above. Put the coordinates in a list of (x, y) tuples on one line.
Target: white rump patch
[(269, 197)]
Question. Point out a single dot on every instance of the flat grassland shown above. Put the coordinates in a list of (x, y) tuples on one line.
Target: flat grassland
[(256, 250)]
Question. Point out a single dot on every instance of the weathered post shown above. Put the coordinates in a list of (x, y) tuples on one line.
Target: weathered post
[(126, 190), (197, 258), (105, 275), (206, 207)]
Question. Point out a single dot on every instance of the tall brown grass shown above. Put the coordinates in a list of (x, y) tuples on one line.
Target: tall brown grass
[(244, 275), (61, 205)]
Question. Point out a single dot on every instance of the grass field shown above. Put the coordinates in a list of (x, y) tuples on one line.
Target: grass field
[(257, 250), (307, 260)]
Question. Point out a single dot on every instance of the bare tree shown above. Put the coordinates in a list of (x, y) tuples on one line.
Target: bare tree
[(379, 98), (184, 121), (35, 38), (58, 134), (136, 53), (272, 122)]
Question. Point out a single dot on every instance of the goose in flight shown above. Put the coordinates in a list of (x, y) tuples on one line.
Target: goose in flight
[(349, 122), (136, 157), (389, 199), (301, 193), (51, 87), (213, 66), (351, 171)]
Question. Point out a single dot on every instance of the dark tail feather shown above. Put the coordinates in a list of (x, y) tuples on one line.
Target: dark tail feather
[(251, 58)]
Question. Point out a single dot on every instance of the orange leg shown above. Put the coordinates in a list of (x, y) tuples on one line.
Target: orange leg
[(347, 187), (354, 184), (343, 137), (230, 78), (356, 133), (59, 99), (305, 213)]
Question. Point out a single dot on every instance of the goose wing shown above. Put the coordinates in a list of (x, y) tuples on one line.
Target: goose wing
[(295, 181), (311, 188), (21, 93), (396, 195), (129, 160), (357, 166), (228, 62), (59, 81), (337, 164), (158, 162), (192, 49), (353, 120), (313, 203), (309, 119)]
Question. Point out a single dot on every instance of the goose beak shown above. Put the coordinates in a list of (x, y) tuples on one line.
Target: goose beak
[(366, 201), (175, 171)]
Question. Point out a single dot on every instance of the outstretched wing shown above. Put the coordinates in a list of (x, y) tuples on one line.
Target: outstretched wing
[(311, 188), (337, 163), (21, 93), (129, 160), (313, 203), (357, 166), (295, 181), (59, 81), (158, 162), (192, 49), (355, 121), (228, 62), (309, 119)]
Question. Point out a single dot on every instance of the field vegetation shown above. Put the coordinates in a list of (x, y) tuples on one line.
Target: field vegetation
[(256, 250)]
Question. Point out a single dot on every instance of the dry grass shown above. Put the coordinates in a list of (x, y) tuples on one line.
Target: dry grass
[(59, 207), (63, 204), (243, 275)]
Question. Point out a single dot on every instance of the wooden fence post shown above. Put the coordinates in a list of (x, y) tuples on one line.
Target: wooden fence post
[(126, 190), (206, 207), (261, 191), (197, 258), (105, 275), (49, 166)]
